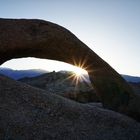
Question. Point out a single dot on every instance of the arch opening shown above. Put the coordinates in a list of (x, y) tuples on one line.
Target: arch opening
[(53, 76), (45, 65)]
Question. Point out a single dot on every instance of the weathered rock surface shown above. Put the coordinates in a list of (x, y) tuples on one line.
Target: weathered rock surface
[(43, 39), (64, 84), (30, 113)]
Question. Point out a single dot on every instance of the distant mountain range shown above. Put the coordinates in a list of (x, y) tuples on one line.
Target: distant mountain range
[(18, 74), (134, 79)]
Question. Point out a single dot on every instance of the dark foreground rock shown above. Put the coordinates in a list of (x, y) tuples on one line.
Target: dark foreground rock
[(30, 113)]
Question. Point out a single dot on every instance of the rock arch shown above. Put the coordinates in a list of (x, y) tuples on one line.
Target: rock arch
[(43, 39)]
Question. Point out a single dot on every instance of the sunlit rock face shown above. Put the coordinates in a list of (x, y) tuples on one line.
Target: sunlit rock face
[(43, 39)]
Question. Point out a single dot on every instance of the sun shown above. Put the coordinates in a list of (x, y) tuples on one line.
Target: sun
[(79, 75), (79, 72)]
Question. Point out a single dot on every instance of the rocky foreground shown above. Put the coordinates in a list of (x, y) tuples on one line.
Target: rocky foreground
[(31, 113)]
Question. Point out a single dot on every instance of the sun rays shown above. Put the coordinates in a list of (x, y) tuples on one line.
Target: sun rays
[(78, 75)]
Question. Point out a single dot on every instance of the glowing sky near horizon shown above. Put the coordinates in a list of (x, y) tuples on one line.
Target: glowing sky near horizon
[(111, 28)]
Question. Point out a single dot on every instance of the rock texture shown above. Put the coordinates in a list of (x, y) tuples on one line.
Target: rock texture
[(30, 113), (64, 84), (43, 39)]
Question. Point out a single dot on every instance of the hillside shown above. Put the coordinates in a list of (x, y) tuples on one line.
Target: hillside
[(63, 83), (60, 83)]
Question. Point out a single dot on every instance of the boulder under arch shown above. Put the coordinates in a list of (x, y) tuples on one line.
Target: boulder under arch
[(43, 39)]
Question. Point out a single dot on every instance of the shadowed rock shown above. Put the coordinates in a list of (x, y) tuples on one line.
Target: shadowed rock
[(43, 39), (63, 84), (30, 113)]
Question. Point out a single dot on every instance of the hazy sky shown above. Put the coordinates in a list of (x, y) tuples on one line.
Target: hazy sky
[(111, 28)]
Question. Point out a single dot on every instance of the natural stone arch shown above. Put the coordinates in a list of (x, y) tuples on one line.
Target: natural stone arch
[(43, 39)]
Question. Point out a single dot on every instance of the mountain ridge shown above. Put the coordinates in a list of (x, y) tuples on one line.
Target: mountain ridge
[(18, 74)]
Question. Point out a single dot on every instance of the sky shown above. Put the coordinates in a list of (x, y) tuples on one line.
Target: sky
[(111, 28)]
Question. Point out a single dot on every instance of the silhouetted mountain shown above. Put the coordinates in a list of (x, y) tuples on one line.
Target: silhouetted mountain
[(17, 74), (129, 78)]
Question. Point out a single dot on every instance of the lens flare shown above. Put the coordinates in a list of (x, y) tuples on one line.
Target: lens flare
[(79, 72)]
